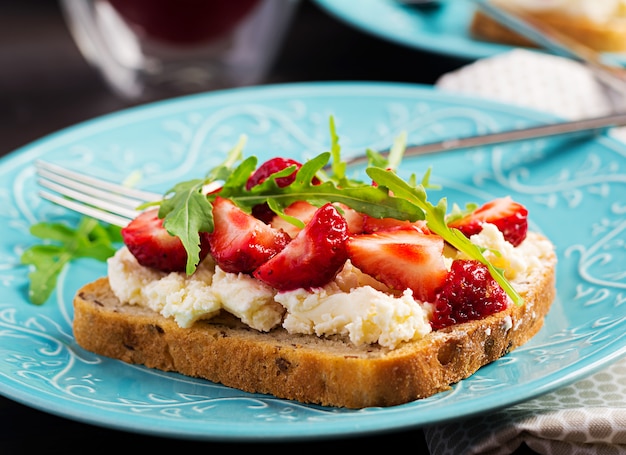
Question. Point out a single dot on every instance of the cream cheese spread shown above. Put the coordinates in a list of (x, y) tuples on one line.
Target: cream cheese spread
[(364, 314), (515, 261), (353, 304), (357, 306), (189, 298)]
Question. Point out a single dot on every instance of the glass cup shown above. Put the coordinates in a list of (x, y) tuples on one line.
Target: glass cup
[(154, 49)]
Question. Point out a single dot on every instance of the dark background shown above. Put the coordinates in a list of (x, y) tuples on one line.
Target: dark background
[(46, 85)]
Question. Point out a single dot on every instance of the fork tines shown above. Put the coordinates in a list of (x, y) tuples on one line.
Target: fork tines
[(109, 202)]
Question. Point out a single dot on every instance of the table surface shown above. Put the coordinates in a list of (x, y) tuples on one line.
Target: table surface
[(46, 85)]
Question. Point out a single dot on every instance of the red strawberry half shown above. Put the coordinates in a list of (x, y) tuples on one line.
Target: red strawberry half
[(304, 211), (353, 218), (469, 293), (153, 246), (510, 217), (239, 241), (371, 224), (313, 257), (402, 259), (301, 210)]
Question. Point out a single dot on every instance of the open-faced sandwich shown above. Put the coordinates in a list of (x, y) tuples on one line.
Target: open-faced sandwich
[(286, 279), (599, 24)]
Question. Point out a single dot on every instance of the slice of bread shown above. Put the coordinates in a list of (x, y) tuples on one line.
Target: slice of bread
[(609, 36), (306, 368)]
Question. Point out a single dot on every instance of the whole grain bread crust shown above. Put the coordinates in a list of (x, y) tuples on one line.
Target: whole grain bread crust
[(306, 368), (605, 37)]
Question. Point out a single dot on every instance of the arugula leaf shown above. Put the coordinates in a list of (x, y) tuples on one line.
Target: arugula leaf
[(186, 210), (222, 171), (89, 239), (338, 167), (457, 212), (187, 213), (374, 201), (376, 159), (396, 152)]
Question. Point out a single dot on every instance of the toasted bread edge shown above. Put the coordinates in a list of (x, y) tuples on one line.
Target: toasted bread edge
[(306, 368)]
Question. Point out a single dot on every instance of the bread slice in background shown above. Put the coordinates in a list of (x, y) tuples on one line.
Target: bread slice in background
[(306, 368), (606, 36)]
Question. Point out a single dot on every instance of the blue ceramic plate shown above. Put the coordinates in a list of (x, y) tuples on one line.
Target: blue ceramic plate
[(443, 29), (572, 188)]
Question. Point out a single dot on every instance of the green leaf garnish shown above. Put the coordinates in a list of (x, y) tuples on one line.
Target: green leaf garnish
[(186, 210), (338, 167), (457, 212), (187, 213), (396, 152), (223, 171), (64, 244), (361, 197)]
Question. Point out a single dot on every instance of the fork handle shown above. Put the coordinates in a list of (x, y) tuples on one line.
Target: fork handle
[(593, 125)]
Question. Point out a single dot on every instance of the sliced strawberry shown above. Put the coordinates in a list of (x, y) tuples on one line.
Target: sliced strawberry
[(354, 219), (146, 238), (240, 242), (301, 210), (313, 257), (469, 293), (371, 225), (304, 211), (402, 259), (510, 217)]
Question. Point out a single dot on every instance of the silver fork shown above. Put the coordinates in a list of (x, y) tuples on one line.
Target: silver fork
[(109, 202)]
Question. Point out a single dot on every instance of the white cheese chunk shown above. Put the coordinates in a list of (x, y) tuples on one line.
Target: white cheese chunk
[(189, 298)]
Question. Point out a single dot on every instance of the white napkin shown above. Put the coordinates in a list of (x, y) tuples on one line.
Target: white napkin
[(535, 80), (588, 417)]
